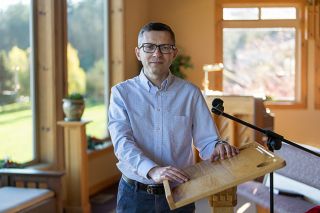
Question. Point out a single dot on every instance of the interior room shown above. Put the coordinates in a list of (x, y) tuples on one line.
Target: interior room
[(59, 60)]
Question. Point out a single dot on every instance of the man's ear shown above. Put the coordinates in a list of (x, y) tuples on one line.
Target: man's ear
[(137, 50), (175, 53)]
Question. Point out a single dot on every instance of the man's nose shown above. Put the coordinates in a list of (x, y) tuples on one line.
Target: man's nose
[(157, 52)]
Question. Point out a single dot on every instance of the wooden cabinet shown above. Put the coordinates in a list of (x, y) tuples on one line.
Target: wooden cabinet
[(247, 108)]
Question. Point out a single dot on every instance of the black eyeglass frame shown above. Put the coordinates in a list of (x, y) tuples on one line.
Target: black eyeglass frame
[(172, 46)]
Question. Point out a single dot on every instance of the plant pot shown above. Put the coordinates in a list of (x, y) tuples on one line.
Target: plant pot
[(73, 109)]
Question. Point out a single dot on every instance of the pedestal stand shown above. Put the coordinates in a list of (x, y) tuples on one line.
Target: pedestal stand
[(76, 166)]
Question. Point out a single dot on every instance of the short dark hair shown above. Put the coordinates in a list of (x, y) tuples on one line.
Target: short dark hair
[(156, 26)]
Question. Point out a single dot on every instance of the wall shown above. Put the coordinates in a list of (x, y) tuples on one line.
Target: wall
[(302, 126), (193, 23), (135, 17)]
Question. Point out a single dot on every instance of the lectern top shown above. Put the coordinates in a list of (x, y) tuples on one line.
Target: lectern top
[(208, 178)]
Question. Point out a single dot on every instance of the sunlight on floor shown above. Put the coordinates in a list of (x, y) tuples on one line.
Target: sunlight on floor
[(243, 208)]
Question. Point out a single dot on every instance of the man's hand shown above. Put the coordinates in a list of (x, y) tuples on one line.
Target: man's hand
[(224, 150), (158, 174)]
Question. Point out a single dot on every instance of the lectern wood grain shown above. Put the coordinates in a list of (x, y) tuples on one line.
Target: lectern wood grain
[(208, 178)]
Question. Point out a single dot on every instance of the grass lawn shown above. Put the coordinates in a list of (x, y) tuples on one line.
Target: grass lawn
[(16, 132)]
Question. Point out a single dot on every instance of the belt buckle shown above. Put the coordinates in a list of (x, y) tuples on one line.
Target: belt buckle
[(150, 189)]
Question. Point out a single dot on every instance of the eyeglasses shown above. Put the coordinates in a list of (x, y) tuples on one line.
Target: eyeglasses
[(151, 48)]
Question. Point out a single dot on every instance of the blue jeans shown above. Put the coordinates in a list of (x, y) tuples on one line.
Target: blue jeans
[(130, 200)]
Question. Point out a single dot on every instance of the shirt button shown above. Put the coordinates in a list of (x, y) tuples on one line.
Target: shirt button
[(158, 109)]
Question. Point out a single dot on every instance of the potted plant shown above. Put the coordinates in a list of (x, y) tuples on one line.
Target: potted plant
[(73, 107), (181, 61)]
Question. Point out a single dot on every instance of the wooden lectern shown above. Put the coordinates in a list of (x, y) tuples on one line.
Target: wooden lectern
[(220, 178)]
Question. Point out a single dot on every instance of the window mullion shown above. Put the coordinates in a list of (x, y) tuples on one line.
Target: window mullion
[(259, 23)]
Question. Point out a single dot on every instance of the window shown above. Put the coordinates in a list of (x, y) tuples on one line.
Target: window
[(263, 50), (16, 96), (87, 61)]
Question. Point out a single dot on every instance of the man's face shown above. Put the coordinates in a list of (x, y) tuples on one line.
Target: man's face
[(156, 63)]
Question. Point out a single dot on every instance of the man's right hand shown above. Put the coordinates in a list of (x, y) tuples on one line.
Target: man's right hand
[(158, 174)]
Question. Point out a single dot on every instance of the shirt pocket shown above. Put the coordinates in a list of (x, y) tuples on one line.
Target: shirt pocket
[(180, 134)]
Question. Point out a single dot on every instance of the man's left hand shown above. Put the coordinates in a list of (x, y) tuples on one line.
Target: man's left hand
[(224, 150)]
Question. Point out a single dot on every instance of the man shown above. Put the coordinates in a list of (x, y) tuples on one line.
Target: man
[(153, 120)]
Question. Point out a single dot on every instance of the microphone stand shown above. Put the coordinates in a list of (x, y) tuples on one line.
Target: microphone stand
[(274, 141)]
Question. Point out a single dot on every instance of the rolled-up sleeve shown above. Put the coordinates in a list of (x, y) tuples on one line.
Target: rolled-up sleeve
[(125, 147)]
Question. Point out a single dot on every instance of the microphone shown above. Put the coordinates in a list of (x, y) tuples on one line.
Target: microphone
[(217, 106)]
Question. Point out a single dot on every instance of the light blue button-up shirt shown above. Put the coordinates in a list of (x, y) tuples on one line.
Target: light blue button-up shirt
[(156, 127)]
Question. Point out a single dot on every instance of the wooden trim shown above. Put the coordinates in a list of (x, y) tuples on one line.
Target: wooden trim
[(76, 187), (317, 74), (117, 46), (286, 105), (50, 67), (258, 2), (218, 80), (258, 23), (97, 153), (60, 79), (317, 55), (104, 184), (317, 22), (261, 209)]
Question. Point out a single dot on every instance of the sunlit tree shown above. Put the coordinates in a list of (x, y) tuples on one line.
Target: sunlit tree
[(14, 27), (18, 63), (86, 30), (6, 77), (95, 83), (76, 75)]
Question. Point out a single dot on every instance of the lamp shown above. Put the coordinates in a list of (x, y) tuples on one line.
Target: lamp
[(210, 68)]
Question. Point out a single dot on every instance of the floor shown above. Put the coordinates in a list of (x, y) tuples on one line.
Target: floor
[(105, 202)]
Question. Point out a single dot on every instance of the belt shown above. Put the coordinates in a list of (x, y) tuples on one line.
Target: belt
[(154, 189)]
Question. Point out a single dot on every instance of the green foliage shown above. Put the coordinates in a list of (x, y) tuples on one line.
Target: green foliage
[(95, 83), (180, 62), (85, 31), (14, 27), (14, 107), (16, 147), (18, 60), (14, 75), (6, 77), (76, 75), (10, 164), (75, 96), (19, 147), (97, 114), (83, 51)]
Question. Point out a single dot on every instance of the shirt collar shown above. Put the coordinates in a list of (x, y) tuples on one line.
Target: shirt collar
[(148, 85)]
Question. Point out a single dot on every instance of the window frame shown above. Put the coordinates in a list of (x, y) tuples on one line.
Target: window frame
[(48, 61), (301, 47), (314, 26)]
